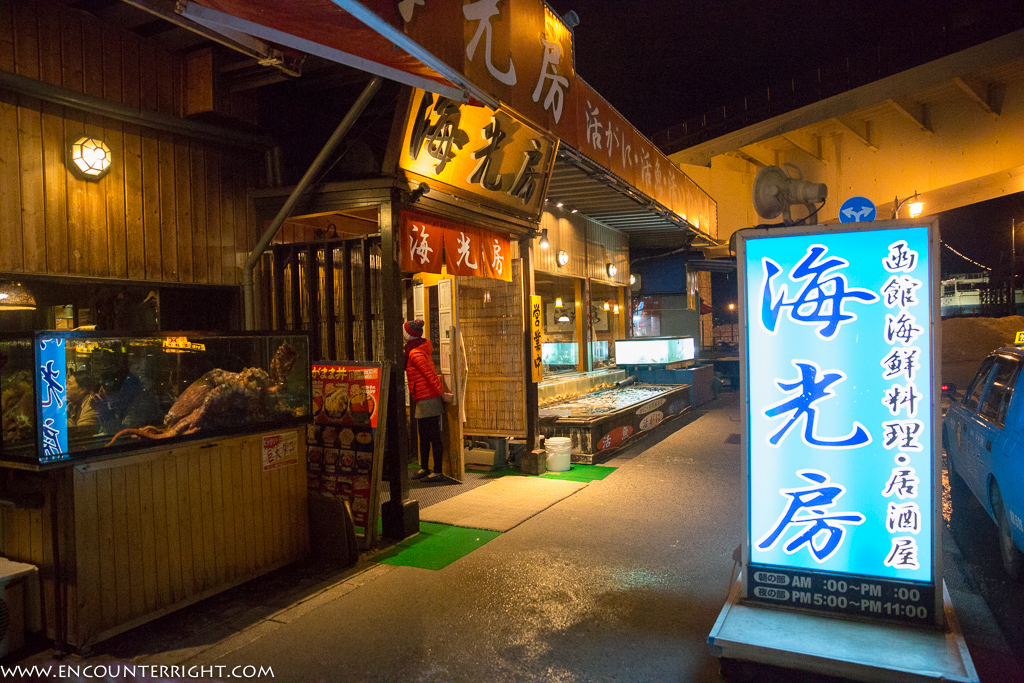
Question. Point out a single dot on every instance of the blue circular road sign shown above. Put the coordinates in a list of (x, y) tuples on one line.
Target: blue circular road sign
[(856, 210)]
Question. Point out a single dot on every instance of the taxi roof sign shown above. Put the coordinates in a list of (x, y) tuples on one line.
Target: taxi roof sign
[(1019, 341)]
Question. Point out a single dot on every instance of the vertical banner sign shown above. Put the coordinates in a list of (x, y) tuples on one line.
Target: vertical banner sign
[(51, 392), (344, 443), (840, 388), (536, 337)]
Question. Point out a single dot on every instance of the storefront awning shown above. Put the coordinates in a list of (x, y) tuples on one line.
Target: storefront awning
[(582, 185), (325, 29)]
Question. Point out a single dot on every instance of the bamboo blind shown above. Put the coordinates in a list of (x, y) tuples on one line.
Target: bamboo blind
[(491, 322)]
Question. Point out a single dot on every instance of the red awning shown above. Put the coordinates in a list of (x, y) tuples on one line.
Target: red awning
[(323, 28)]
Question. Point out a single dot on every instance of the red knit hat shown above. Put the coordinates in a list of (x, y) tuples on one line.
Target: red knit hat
[(414, 328)]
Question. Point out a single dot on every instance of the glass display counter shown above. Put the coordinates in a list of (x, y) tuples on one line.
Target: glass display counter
[(601, 422), (69, 395)]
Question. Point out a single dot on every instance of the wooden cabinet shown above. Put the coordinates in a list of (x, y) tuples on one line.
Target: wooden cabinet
[(149, 533)]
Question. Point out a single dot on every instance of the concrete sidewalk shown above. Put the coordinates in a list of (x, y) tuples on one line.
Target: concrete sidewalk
[(621, 581)]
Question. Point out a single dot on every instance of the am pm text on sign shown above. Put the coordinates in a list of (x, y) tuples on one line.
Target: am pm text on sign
[(841, 417)]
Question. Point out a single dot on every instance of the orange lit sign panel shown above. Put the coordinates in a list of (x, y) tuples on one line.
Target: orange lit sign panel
[(492, 154)]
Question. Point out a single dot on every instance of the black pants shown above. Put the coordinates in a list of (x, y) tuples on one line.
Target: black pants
[(430, 435)]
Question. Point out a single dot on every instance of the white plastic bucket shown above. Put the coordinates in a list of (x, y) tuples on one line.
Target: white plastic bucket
[(559, 450)]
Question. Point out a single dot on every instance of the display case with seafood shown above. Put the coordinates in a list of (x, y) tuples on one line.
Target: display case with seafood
[(17, 396), (599, 423), (89, 393)]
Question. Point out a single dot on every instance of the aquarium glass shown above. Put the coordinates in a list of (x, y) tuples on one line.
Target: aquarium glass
[(95, 392)]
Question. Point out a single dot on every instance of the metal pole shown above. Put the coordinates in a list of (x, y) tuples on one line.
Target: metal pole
[(314, 169), (1013, 266)]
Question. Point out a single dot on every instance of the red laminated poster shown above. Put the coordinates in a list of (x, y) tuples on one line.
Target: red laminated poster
[(345, 396), (344, 451)]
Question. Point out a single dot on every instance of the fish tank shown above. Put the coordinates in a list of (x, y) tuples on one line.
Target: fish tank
[(560, 356), (657, 351), (601, 354), (68, 395)]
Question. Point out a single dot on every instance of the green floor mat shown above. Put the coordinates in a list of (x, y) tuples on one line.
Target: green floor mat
[(581, 473), (436, 546)]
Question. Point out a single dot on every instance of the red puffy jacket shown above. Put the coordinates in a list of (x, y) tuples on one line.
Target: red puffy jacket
[(419, 372)]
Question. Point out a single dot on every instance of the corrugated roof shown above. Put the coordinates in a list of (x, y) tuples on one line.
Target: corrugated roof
[(607, 199)]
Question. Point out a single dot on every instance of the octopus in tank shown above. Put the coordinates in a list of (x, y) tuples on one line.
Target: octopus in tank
[(221, 399)]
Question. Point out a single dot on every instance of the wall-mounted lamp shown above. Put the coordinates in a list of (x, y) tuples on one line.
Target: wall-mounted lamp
[(574, 211), (558, 302), (14, 297), (90, 158), (420, 190), (615, 308), (916, 206), (632, 279), (611, 269), (544, 244), (563, 258), (607, 306), (564, 318)]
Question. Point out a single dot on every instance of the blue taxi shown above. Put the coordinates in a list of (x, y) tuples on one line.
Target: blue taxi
[(983, 434)]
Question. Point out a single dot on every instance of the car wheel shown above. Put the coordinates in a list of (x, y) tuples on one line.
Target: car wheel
[(1013, 560)]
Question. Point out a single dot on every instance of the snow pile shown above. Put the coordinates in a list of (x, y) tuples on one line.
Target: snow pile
[(972, 339)]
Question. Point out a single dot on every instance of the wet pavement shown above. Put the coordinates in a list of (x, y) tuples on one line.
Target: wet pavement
[(621, 581)]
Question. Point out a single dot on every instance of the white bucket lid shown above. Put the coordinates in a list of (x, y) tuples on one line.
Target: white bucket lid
[(557, 441)]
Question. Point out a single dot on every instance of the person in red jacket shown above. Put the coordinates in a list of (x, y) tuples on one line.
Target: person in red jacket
[(428, 397)]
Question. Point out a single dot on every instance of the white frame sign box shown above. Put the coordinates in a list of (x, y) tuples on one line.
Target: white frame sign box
[(840, 388)]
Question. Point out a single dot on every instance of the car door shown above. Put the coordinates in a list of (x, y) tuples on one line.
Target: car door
[(965, 431), (991, 416), (1005, 460)]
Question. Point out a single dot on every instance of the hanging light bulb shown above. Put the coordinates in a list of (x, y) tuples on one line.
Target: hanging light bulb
[(558, 302), (543, 244)]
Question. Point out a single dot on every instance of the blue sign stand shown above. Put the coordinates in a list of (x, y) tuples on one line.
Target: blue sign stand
[(842, 446)]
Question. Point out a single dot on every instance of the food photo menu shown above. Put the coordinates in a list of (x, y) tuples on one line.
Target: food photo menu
[(341, 441)]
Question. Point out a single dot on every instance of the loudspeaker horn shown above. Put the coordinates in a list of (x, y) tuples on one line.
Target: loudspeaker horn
[(775, 191)]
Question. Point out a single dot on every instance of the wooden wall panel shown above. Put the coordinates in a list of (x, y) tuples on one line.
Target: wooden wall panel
[(144, 534), (172, 209)]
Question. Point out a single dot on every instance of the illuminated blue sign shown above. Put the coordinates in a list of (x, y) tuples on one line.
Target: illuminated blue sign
[(840, 420), (51, 390)]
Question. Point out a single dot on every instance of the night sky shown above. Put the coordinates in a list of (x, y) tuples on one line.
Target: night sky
[(660, 62)]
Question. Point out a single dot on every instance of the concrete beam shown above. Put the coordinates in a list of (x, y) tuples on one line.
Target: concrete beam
[(921, 121), (863, 139), (983, 102), (972, 60), (806, 149)]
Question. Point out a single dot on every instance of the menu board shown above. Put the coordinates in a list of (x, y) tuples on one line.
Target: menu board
[(345, 441)]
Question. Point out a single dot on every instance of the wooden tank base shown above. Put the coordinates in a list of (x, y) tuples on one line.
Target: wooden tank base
[(149, 533)]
